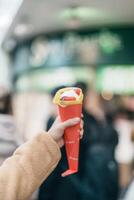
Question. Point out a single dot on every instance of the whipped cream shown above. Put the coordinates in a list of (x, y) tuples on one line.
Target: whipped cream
[(69, 93)]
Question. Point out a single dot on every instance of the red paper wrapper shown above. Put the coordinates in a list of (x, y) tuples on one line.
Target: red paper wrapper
[(71, 136)]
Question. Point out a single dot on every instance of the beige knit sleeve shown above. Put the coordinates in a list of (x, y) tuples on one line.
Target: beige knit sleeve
[(30, 165)]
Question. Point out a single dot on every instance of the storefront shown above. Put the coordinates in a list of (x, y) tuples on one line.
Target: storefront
[(102, 58)]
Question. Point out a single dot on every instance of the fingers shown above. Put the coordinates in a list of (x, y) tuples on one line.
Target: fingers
[(81, 133), (70, 122), (81, 124), (81, 129), (61, 142)]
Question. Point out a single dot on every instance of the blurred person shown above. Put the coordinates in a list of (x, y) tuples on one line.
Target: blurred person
[(124, 119), (9, 138), (31, 163), (98, 177), (128, 192)]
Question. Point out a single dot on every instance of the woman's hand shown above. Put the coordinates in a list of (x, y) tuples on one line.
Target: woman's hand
[(58, 128)]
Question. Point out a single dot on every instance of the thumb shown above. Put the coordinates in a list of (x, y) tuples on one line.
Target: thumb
[(70, 122)]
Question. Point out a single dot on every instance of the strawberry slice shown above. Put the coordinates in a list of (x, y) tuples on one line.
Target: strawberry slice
[(77, 91), (68, 98)]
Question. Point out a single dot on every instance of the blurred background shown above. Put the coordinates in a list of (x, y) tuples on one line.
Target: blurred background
[(45, 45)]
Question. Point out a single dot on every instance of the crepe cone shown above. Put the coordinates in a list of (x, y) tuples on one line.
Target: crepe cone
[(71, 137), (71, 108)]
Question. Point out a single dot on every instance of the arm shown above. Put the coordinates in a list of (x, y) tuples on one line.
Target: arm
[(23, 173)]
